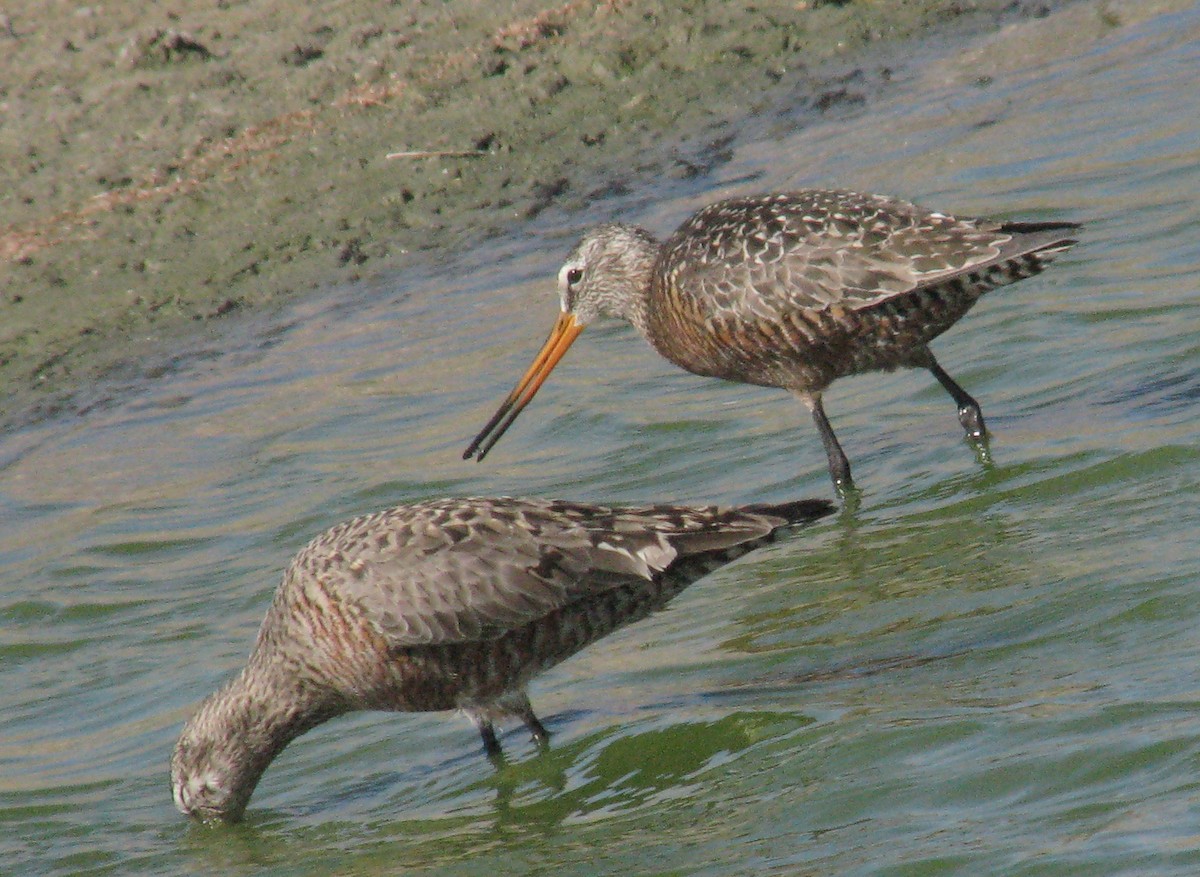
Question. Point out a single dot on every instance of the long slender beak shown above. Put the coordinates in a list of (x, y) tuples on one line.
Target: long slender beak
[(564, 333)]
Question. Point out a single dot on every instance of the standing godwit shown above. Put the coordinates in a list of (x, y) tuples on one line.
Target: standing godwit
[(792, 290), (447, 604)]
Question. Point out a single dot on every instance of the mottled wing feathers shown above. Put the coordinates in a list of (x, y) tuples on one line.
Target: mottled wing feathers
[(763, 257), (464, 569)]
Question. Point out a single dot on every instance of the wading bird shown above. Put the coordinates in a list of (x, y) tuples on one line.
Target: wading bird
[(792, 290), (447, 604)]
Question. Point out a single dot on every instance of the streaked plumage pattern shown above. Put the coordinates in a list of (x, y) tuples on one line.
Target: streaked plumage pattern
[(802, 289), (447, 604), (793, 290)]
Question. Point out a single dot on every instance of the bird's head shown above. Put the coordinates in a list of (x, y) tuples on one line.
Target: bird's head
[(210, 777), (608, 273)]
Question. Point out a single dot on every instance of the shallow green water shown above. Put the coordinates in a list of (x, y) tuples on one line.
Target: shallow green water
[(985, 669)]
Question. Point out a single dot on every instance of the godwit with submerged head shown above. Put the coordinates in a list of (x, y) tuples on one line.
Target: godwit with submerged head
[(792, 290), (447, 604)]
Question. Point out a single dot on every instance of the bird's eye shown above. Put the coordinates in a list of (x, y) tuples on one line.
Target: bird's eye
[(574, 275)]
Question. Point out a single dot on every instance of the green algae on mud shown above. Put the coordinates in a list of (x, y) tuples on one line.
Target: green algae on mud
[(168, 166)]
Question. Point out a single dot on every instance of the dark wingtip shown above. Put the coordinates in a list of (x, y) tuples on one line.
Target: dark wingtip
[(1034, 227), (795, 512), (1045, 240)]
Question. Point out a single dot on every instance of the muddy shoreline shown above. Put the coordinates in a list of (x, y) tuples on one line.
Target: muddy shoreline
[(174, 166)]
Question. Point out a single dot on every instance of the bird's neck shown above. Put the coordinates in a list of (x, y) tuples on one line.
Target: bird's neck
[(250, 721), (632, 274), (637, 306)]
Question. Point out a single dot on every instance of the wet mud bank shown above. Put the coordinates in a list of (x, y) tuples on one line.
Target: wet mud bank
[(168, 168)]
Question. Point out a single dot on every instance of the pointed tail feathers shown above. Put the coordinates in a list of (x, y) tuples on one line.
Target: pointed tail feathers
[(1040, 241), (799, 511)]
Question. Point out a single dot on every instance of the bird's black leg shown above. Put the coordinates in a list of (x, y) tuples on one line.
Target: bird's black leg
[(540, 735), (969, 414), (839, 466), (491, 745)]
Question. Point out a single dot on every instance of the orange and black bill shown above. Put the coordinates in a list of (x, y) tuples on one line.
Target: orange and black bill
[(565, 331)]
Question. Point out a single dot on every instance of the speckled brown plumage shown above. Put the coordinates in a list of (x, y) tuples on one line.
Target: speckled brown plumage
[(447, 604), (792, 290)]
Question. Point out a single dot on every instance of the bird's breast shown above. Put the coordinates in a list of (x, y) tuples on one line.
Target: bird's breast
[(716, 330)]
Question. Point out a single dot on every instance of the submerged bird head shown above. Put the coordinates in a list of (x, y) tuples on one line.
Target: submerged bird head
[(211, 777), (608, 273), (237, 731)]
